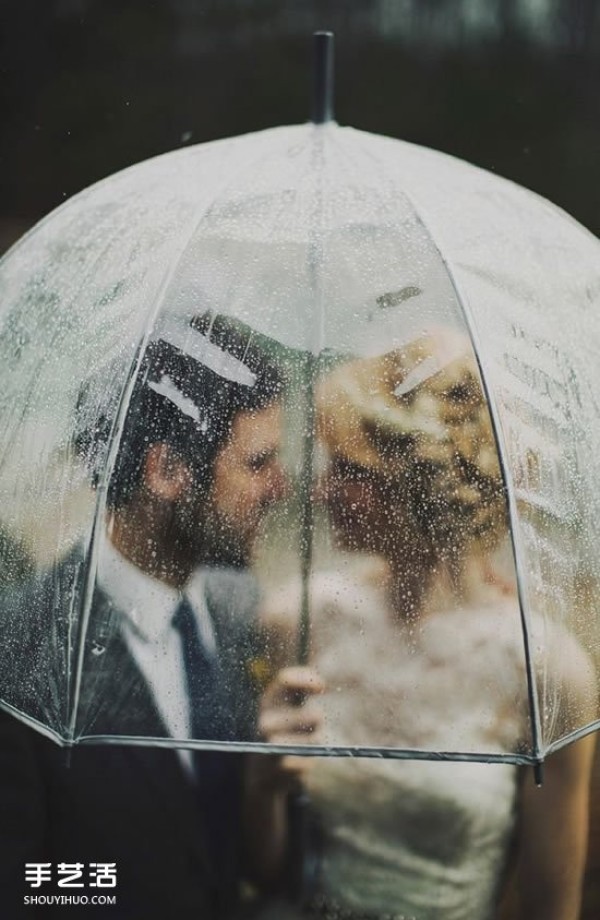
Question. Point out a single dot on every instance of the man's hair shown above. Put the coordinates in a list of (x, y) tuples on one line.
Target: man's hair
[(191, 385)]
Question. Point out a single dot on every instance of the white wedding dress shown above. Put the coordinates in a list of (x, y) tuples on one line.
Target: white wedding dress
[(415, 839)]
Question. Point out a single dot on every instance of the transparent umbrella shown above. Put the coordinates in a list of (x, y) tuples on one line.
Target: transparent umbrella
[(382, 280)]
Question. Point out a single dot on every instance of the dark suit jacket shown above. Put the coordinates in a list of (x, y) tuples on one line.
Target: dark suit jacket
[(177, 848)]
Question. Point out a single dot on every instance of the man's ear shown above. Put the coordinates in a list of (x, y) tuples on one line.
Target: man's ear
[(166, 475)]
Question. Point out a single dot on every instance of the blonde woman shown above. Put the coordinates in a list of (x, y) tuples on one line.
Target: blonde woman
[(419, 643)]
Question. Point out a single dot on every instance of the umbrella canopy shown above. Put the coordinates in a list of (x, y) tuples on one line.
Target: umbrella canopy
[(366, 269)]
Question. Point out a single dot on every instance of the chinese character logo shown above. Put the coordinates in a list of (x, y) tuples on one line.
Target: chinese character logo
[(37, 873)]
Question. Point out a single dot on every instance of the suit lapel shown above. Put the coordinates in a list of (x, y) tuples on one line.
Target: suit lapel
[(116, 700), (114, 697)]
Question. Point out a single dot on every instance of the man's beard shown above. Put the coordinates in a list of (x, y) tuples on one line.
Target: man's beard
[(207, 537), (223, 544)]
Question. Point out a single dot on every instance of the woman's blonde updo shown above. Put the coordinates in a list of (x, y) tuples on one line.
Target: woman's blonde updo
[(417, 419)]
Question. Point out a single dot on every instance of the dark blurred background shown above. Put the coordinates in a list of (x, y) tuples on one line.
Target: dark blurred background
[(92, 86)]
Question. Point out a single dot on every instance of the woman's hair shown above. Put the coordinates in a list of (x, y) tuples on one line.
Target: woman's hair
[(417, 419)]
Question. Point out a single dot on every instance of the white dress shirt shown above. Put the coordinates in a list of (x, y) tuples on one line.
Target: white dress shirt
[(147, 606)]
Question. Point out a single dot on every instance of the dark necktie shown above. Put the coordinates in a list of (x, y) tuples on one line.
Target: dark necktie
[(200, 675), (218, 774)]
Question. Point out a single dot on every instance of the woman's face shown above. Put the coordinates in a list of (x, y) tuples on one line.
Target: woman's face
[(355, 498)]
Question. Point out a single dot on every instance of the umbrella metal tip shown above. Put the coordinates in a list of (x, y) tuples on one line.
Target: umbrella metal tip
[(322, 108)]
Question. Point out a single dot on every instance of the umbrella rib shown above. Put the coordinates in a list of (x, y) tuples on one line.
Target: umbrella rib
[(118, 424), (32, 722), (573, 736), (312, 750), (462, 300), (97, 260)]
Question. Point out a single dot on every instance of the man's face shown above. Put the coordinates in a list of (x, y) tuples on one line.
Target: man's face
[(247, 479)]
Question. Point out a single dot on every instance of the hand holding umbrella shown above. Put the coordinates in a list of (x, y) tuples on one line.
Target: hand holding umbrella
[(276, 807)]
